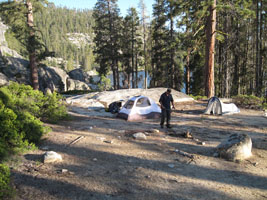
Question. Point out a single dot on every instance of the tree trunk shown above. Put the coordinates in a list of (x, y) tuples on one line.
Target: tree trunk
[(144, 39), (188, 72), (136, 70), (236, 83), (133, 85), (257, 50), (210, 43), (113, 67), (118, 75), (261, 50), (31, 47), (171, 76)]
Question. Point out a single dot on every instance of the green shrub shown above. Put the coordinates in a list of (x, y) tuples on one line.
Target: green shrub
[(104, 83), (248, 101), (53, 108), (21, 109), (5, 187), (9, 131), (198, 97), (23, 98), (31, 128)]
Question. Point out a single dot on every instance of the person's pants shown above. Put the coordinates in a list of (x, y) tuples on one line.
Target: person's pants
[(165, 113)]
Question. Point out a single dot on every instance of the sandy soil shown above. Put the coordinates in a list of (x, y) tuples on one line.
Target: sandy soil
[(108, 164)]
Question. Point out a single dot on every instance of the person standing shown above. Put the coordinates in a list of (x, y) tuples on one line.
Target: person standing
[(165, 103)]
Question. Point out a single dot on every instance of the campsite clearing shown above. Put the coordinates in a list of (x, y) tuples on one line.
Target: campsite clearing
[(106, 163)]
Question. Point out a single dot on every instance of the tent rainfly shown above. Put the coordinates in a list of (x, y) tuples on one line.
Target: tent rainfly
[(217, 107), (139, 108)]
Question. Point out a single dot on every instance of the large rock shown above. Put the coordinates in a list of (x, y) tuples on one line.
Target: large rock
[(107, 97), (79, 74), (16, 69), (53, 78), (3, 43), (51, 157), (3, 79), (236, 147), (76, 85)]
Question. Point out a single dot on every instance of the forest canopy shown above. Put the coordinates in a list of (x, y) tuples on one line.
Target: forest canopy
[(174, 45)]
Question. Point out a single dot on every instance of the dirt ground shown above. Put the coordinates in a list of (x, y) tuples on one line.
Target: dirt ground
[(109, 164)]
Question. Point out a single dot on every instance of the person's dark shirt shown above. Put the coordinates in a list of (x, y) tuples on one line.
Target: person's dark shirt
[(166, 100)]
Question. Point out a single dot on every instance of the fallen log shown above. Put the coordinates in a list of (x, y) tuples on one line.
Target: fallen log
[(76, 140), (183, 153)]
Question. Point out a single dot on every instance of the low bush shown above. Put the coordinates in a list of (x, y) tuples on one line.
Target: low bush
[(248, 101), (199, 97), (5, 187), (53, 108), (21, 112)]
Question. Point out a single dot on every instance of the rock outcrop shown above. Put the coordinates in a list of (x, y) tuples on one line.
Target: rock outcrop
[(3, 79), (3, 44)]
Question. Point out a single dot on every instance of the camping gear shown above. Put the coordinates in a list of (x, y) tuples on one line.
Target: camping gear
[(114, 107), (138, 108), (217, 107)]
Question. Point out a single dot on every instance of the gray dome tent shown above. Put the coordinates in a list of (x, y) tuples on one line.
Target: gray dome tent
[(217, 107), (139, 108)]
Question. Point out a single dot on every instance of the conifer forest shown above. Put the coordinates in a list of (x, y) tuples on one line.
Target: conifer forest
[(203, 47)]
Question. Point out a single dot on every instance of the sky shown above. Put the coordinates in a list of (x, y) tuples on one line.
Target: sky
[(124, 5)]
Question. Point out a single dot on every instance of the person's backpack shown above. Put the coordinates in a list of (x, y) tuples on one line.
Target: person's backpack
[(114, 107)]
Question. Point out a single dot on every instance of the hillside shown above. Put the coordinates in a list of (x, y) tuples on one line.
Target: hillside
[(67, 32)]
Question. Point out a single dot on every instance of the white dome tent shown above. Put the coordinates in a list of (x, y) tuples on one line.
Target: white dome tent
[(139, 108), (217, 107)]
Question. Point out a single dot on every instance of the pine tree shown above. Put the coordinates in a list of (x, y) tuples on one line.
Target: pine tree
[(19, 16), (159, 46), (107, 36)]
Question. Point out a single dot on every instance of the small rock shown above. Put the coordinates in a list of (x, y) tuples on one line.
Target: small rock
[(203, 143), (90, 128), (146, 133), (255, 164), (108, 141), (95, 159), (101, 138), (51, 157), (154, 131), (139, 136), (147, 176), (64, 171), (46, 148), (171, 165)]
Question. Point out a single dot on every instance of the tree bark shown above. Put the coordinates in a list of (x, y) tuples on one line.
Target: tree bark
[(171, 76), (188, 72), (210, 43), (113, 64), (142, 5), (136, 69), (31, 48), (257, 72)]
